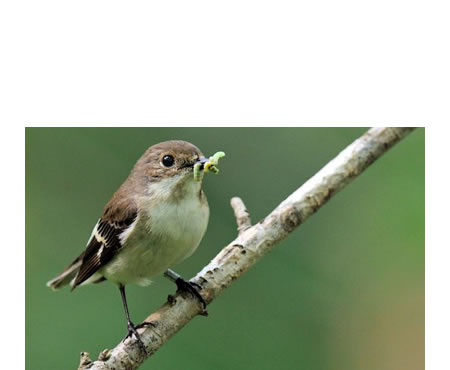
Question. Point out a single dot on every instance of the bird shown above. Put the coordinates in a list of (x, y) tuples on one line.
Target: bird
[(155, 220)]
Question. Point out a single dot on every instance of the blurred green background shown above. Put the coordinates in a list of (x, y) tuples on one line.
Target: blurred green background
[(344, 291)]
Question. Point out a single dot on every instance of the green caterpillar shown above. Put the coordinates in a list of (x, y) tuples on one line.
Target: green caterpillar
[(210, 166)]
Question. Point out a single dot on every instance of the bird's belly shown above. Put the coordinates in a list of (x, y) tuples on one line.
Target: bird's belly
[(157, 244)]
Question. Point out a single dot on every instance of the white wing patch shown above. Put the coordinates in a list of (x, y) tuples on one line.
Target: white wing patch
[(126, 233)]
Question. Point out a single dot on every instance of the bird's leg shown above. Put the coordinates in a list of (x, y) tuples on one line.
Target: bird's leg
[(132, 329), (184, 285)]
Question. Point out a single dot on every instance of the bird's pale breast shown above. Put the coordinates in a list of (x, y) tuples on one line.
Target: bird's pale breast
[(164, 234)]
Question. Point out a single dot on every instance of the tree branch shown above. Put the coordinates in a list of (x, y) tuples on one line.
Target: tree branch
[(251, 245), (242, 216)]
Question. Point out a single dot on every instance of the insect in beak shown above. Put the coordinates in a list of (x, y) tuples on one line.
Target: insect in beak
[(200, 163)]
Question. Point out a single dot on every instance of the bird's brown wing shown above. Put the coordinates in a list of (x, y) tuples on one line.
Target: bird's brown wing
[(103, 245)]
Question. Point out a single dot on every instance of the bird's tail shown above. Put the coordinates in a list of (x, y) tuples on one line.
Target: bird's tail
[(66, 276)]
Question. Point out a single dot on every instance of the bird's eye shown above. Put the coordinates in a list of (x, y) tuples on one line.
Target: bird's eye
[(168, 161)]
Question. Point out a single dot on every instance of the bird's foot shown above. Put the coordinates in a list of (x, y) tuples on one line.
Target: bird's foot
[(132, 330), (193, 288), (145, 324)]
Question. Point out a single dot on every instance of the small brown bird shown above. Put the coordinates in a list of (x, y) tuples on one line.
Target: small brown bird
[(155, 220)]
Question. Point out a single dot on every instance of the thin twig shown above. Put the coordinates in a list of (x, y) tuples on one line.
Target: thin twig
[(249, 247), (242, 216)]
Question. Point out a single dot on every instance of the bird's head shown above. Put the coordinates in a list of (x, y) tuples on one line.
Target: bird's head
[(169, 166)]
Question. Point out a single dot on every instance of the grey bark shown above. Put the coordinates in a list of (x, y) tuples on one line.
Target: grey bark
[(252, 243)]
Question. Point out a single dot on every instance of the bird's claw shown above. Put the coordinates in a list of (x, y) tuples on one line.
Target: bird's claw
[(145, 324), (191, 287), (132, 330)]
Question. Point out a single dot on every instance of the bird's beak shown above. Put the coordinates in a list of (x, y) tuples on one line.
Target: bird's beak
[(202, 161)]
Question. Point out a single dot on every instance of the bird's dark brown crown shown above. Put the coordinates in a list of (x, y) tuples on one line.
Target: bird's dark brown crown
[(168, 158)]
